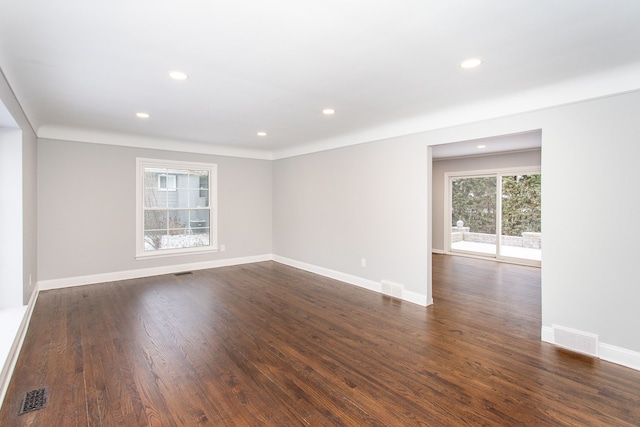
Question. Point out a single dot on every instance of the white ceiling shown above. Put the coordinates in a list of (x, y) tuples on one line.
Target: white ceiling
[(84, 68), (531, 140)]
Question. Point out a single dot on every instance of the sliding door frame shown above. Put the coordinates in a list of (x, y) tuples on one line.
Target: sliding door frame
[(498, 173)]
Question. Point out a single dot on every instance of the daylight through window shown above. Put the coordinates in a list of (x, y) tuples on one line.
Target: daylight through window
[(176, 203)]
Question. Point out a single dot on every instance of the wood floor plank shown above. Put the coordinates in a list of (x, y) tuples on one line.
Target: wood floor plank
[(269, 345)]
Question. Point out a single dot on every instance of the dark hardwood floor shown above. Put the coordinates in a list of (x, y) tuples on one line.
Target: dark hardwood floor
[(266, 344)]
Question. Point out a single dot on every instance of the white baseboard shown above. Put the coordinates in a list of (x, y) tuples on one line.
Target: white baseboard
[(608, 352), (146, 272), (620, 356), (12, 358), (437, 251), (416, 298), (546, 334), (370, 285)]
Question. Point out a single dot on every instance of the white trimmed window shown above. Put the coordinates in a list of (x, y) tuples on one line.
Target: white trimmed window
[(176, 203)]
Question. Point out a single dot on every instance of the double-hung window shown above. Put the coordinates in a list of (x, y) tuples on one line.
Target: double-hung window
[(176, 203)]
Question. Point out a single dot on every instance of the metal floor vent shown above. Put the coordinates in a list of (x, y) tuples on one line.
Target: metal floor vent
[(34, 400), (184, 273)]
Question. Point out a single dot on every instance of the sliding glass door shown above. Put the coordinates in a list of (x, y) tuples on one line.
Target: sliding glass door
[(473, 213), (521, 233), (485, 206)]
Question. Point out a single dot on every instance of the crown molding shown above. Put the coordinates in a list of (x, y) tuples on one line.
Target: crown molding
[(96, 136)]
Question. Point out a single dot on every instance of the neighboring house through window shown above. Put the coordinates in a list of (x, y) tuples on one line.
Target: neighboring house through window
[(176, 204), (167, 182)]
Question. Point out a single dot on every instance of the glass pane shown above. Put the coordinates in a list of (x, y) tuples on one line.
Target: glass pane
[(199, 179), (151, 177), (155, 220), (166, 181), (200, 237), (154, 199), (180, 177), (178, 238), (155, 229), (152, 196), (181, 199), (199, 221), (521, 217), (199, 183), (178, 219), (200, 199), (473, 214), (154, 240)]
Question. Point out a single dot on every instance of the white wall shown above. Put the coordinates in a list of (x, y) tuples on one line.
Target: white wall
[(333, 208), (29, 213), (87, 205), (589, 177), (11, 218), (477, 163), (23, 181)]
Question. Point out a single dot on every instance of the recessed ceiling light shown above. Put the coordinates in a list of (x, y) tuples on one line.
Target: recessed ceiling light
[(142, 115), (328, 111), (482, 146), (178, 75), (262, 134), (471, 63)]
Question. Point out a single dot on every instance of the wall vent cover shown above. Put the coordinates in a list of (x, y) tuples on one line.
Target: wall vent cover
[(34, 400), (392, 289), (572, 339)]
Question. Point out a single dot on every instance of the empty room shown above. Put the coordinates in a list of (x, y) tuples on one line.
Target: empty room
[(280, 213)]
